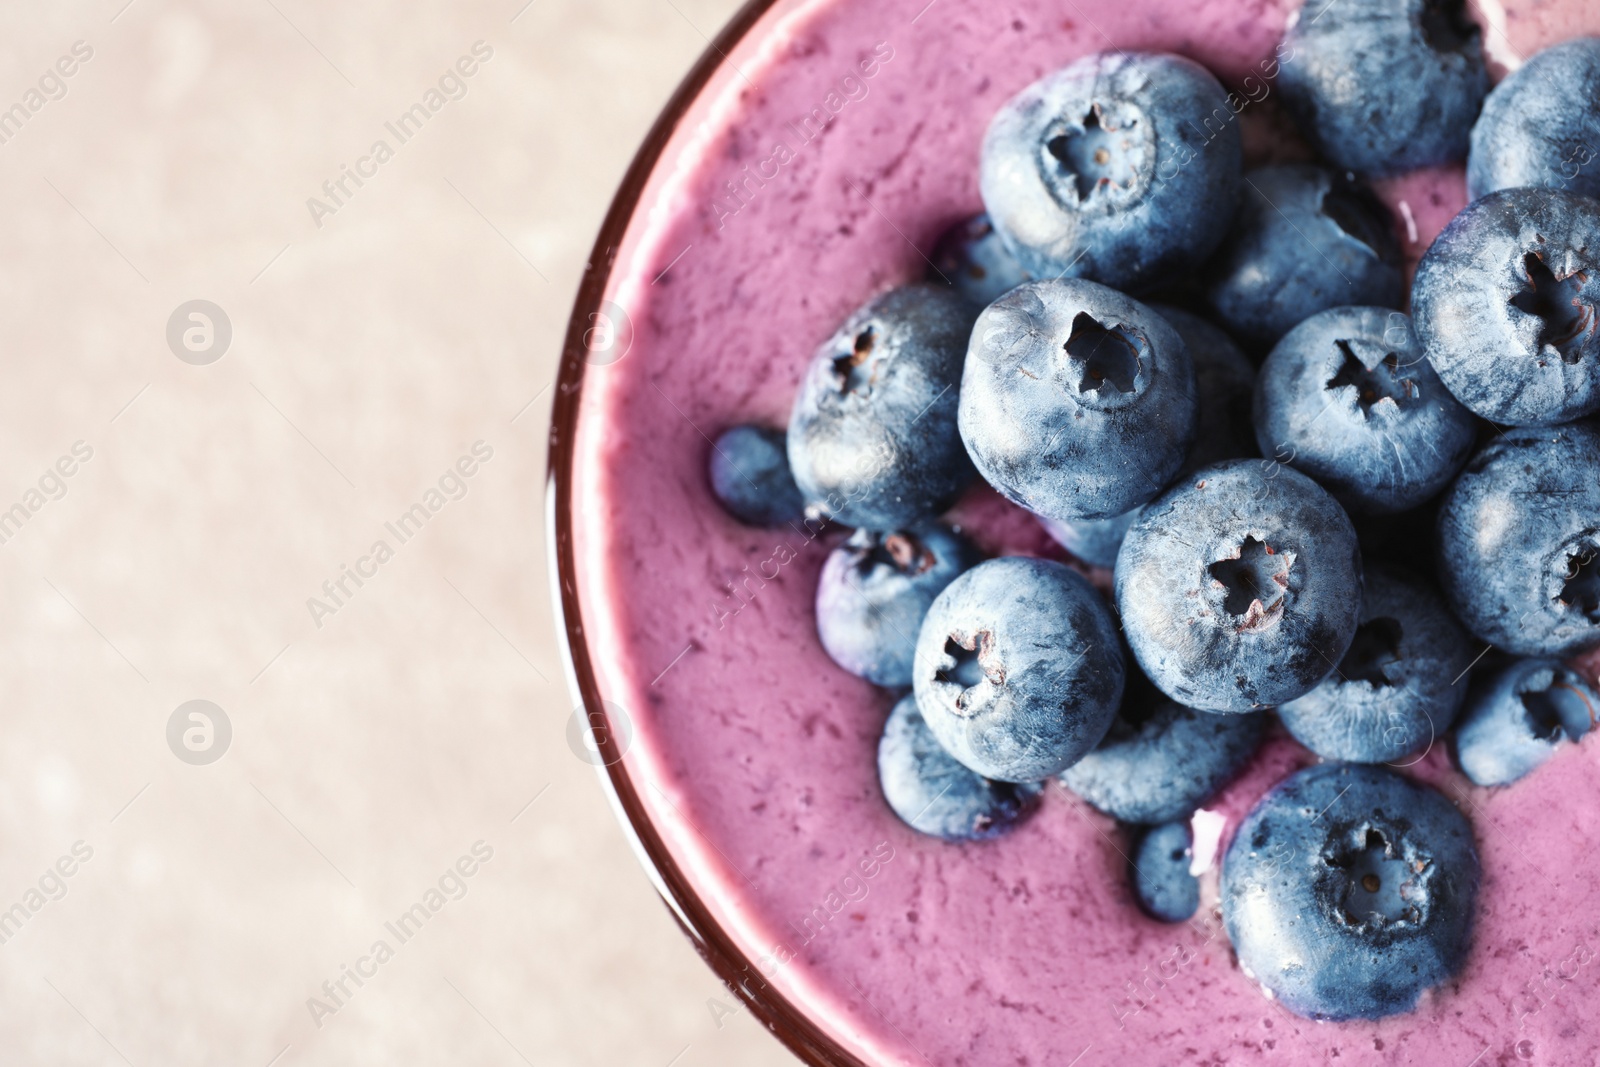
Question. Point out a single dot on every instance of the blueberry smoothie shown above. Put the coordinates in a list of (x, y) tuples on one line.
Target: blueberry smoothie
[(837, 144)]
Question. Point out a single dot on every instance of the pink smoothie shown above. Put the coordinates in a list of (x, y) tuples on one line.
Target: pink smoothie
[(839, 140)]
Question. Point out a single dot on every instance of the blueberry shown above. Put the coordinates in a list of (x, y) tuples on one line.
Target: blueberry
[(1517, 717), (1160, 761), (1538, 128), (1505, 301), (1240, 587), (1076, 402), (872, 438), (1349, 397), (1161, 879), (1519, 541), (750, 477), (973, 258), (1306, 239), (1397, 688), (1122, 167), (1349, 890), (934, 794), (1019, 668), (1223, 379), (1384, 86), (873, 592)]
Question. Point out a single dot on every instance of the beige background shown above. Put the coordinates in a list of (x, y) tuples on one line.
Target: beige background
[(368, 353)]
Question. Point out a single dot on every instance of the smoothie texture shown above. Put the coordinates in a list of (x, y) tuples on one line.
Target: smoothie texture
[(822, 162)]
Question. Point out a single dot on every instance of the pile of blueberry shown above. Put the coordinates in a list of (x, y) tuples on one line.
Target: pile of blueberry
[(1309, 502)]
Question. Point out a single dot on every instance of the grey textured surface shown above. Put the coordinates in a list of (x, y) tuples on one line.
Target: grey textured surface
[(373, 744)]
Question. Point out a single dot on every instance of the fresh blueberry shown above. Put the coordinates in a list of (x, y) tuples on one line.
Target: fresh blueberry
[(1349, 890), (1122, 167), (934, 794), (1160, 761), (1019, 668), (1223, 380), (1161, 879), (1505, 301), (874, 590), (1077, 402), (1519, 541), (1395, 691), (1306, 239), (1539, 127), (750, 477), (872, 438), (973, 258), (1517, 717), (1240, 587), (1384, 86), (1349, 398)]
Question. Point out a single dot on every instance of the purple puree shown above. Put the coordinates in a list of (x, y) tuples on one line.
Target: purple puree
[(784, 201)]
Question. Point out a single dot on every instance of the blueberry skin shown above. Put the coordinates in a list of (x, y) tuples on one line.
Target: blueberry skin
[(749, 469), (1223, 381), (1396, 690), (1165, 889), (1517, 718), (1519, 541), (875, 589), (872, 438), (1306, 239), (1162, 764), (1538, 128), (1384, 86), (1019, 668), (1077, 402), (973, 259), (1240, 587), (1121, 167), (1348, 397), (1505, 301), (934, 794), (1298, 901)]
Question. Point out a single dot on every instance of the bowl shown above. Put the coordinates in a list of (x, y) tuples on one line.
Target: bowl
[(809, 160)]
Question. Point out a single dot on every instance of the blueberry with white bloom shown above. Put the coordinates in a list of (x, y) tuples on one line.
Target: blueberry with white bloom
[(1540, 127), (1349, 890), (1518, 717), (1122, 167), (1161, 880)]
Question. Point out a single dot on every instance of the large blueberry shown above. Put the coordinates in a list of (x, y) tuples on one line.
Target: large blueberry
[(874, 590), (1077, 401), (1223, 380), (1306, 239), (1540, 127), (749, 469), (973, 258), (1240, 587), (1519, 541), (1122, 167), (1161, 880), (1399, 686), (1505, 301), (1019, 669), (1160, 761), (872, 438), (1349, 397), (934, 794), (1349, 890), (1384, 86), (1518, 716)]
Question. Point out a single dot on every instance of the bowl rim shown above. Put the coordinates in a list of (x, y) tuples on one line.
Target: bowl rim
[(716, 946)]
